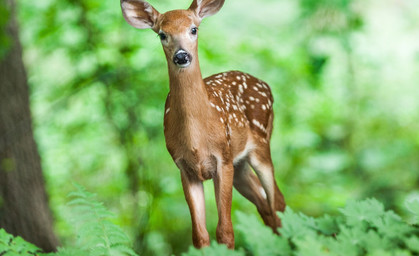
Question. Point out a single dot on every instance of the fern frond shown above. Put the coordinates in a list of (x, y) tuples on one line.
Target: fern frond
[(96, 233)]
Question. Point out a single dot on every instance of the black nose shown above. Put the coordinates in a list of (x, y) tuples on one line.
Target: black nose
[(181, 58)]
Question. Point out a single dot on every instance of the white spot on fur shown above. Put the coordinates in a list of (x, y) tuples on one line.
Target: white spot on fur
[(262, 192), (259, 125), (241, 89), (263, 94)]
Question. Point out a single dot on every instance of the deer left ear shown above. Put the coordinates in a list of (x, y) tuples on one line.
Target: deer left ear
[(206, 8), (139, 13)]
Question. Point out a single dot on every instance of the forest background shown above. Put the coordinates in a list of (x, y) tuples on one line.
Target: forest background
[(345, 79)]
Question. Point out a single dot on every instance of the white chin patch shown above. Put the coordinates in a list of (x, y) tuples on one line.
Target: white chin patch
[(184, 65)]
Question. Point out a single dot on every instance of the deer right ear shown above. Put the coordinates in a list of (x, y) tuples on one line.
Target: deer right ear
[(139, 14)]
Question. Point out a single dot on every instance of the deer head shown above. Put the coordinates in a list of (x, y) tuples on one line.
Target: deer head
[(177, 29)]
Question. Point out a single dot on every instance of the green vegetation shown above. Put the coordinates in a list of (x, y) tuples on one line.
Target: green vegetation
[(96, 234), (364, 228), (344, 75)]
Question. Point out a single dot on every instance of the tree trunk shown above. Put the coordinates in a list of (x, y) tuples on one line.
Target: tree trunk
[(24, 207)]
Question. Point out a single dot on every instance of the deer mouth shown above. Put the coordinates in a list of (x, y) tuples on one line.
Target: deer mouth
[(182, 58)]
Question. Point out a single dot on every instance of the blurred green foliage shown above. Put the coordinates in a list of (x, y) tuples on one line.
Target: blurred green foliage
[(344, 76), (364, 228)]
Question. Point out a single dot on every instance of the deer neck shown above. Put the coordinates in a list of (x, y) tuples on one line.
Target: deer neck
[(188, 96)]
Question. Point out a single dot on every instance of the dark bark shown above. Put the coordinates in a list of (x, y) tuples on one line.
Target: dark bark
[(24, 207)]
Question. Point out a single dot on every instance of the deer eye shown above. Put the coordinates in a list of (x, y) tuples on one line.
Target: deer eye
[(162, 36), (194, 30)]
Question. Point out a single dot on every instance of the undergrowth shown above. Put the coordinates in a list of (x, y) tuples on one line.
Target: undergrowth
[(96, 234), (363, 228)]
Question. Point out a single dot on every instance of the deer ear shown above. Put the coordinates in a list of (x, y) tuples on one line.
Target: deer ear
[(139, 14), (206, 8)]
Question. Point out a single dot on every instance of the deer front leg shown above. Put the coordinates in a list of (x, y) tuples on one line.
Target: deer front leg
[(194, 194), (223, 186)]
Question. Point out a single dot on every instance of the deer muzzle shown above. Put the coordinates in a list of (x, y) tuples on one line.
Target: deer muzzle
[(182, 58)]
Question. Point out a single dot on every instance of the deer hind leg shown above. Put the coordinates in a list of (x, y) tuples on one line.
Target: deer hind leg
[(249, 186), (261, 162), (194, 195)]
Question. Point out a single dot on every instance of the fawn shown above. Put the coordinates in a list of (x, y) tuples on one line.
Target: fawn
[(215, 128)]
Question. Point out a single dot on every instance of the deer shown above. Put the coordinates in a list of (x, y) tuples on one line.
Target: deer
[(215, 128)]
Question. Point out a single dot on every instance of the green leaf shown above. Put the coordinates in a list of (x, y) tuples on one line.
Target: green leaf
[(348, 240), (310, 246), (296, 225), (358, 212), (10, 245), (412, 205), (259, 238), (413, 243), (213, 250), (391, 226), (327, 225)]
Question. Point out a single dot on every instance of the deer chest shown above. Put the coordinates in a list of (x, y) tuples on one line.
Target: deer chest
[(195, 148)]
